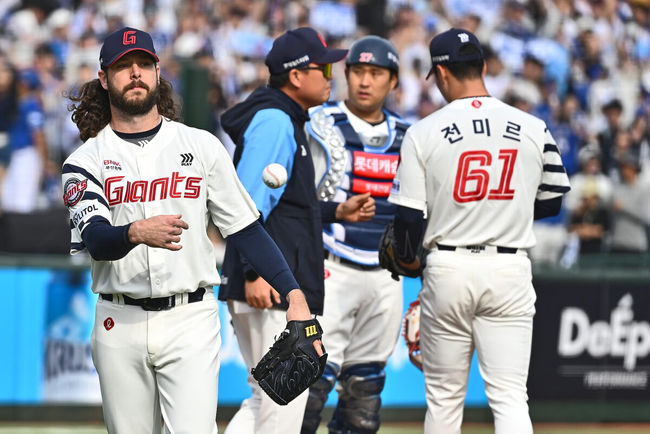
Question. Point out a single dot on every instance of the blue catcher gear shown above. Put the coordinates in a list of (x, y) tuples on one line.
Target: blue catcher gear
[(318, 393), (359, 389)]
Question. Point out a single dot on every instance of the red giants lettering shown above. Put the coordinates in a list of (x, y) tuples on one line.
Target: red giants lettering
[(176, 179), (176, 187), (192, 188), (73, 191)]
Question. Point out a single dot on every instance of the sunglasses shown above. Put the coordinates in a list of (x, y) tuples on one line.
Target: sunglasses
[(326, 69)]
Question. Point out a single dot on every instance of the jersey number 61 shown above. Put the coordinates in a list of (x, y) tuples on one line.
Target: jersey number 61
[(480, 178)]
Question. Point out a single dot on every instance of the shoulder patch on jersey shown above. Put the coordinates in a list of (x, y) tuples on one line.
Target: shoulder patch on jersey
[(73, 191)]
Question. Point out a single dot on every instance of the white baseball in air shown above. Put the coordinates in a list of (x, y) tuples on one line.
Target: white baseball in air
[(274, 175)]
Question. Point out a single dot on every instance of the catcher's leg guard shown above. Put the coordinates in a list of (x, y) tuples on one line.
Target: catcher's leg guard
[(359, 388), (318, 393)]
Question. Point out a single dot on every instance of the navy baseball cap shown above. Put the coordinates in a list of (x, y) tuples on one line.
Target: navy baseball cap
[(445, 47), (300, 47), (123, 41)]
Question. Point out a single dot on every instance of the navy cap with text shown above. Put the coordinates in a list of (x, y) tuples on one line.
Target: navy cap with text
[(298, 48), (123, 41), (445, 48)]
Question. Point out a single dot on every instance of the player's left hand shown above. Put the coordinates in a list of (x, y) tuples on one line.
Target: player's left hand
[(299, 311), (358, 208), (292, 365)]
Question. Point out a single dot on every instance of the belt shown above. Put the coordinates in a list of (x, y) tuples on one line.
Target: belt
[(335, 258), (160, 303), (478, 249)]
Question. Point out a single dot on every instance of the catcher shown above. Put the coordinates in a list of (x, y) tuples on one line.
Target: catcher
[(355, 145)]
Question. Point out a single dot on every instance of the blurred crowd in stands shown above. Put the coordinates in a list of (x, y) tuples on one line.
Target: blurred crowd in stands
[(581, 65)]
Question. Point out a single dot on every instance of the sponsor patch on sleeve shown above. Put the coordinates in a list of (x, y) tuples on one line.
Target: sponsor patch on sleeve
[(73, 191), (84, 213)]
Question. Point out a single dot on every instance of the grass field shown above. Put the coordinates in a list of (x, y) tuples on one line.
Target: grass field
[(387, 428)]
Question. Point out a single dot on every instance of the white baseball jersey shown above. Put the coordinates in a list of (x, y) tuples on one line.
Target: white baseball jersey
[(501, 159), (182, 170)]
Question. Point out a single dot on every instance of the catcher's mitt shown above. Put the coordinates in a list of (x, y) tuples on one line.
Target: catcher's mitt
[(387, 259), (411, 333), (292, 364)]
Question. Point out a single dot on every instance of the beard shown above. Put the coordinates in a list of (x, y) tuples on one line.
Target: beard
[(133, 107)]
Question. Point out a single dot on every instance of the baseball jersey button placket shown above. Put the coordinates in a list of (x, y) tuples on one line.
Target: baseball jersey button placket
[(157, 288)]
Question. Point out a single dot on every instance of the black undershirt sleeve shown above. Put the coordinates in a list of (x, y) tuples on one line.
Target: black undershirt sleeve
[(408, 230), (547, 208), (328, 211), (106, 242), (264, 256)]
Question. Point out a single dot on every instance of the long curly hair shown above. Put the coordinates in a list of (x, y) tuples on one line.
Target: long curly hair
[(93, 112)]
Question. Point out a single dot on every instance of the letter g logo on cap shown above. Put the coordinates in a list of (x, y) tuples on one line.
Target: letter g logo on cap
[(128, 37)]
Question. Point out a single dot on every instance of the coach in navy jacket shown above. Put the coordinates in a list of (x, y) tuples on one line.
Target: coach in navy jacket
[(291, 213)]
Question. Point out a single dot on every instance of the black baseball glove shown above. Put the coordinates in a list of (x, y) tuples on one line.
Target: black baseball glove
[(292, 364), (387, 259)]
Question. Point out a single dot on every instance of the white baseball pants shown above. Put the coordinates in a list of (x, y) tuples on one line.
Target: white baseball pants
[(362, 314), (158, 365), (256, 330), (483, 301)]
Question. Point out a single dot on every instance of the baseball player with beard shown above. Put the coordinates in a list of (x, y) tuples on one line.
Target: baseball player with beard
[(481, 171), (355, 147), (139, 186)]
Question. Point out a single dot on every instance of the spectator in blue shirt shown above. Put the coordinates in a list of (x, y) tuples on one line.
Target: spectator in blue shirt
[(21, 186)]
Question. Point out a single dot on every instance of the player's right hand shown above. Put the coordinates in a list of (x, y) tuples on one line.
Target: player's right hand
[(163, 231), (259, 293), (357, 208)]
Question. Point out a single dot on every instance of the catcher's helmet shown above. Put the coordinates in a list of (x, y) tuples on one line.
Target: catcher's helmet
[(374, 50)]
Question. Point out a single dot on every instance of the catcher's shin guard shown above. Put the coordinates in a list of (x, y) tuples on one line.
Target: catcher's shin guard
[(318, 393), (359, 389)]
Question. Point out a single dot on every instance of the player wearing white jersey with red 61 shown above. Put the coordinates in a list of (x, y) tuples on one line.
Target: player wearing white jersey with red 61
[(481, 171), (139, 186)]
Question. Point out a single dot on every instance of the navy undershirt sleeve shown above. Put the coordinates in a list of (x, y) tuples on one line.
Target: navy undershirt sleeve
[(408, 229), (547, 208), (328, 211), (106, 242), (261, 252)]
